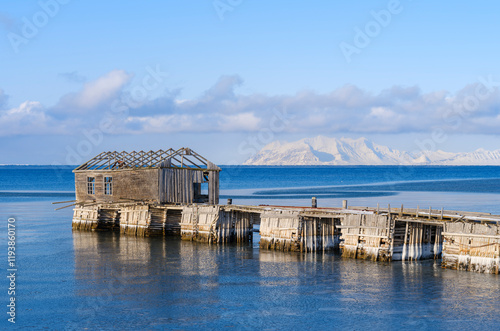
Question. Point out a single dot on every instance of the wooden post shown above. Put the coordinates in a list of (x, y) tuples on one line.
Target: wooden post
[(405, 242), (378, 209), (401, 211), (442, 212), (344, 204), (417, 211), (314, 202), (430, 210)]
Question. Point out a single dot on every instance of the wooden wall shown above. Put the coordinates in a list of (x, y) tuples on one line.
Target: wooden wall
[(414, 240), (291, 231), (129, 218), (177, 185), (215, 224), (366, 236), (95, 218), (280, 230), (471, 247), (384, 238), (138, 220), (319, 234), (127, 184), (198, 221), (85, 218)]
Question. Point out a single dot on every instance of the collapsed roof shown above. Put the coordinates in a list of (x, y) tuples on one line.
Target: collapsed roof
[(183, 158)]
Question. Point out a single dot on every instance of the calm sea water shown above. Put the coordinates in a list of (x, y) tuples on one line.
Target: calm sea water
[(77, 280)]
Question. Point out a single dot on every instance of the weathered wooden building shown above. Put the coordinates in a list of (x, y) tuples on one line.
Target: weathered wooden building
[(172, 176)]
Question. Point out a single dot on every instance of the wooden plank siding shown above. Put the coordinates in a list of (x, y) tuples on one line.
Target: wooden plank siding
[(293, 231), (135, 185), (366, 236), (215, 224), (471, 247), (177, 185)]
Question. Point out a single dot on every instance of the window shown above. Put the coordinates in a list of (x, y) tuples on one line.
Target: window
[(108, 185), (204, 188), (91, 185)]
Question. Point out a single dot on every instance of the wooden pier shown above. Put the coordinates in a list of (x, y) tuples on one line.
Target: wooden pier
[(463, 240)]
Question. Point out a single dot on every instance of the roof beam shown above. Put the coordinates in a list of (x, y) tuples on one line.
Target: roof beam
[(182, 158)]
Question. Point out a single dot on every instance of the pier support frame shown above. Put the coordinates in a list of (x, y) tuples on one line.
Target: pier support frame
[(388, 237), (294, 231), (215, 224), (472, 247)]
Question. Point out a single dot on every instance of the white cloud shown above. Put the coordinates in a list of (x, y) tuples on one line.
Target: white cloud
[(195, 122), (164, 124), (382, 113), (102, 89), (28, 118), (239, 122), (96, 93), (347, 110)]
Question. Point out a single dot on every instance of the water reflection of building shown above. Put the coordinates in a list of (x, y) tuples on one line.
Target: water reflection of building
[(99, 256)]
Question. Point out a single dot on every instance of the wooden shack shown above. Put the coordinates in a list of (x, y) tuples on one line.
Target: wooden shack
[(166, 177)]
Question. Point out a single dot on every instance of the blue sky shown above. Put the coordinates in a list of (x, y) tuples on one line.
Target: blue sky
[(225, 77)]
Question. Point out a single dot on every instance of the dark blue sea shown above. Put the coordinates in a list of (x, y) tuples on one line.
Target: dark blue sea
[(86, 280)]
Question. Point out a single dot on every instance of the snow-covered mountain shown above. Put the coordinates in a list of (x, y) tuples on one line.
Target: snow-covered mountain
[(345, 151)]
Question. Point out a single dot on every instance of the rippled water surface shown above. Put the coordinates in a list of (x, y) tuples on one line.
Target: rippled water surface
[(103, 280)]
